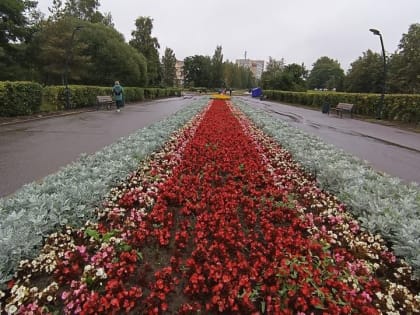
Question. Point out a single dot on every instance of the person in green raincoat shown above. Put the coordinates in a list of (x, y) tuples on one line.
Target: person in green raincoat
[(118, 92)]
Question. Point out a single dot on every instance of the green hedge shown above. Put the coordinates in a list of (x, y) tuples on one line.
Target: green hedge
[(398, 107), (25, 98), (19, 98)]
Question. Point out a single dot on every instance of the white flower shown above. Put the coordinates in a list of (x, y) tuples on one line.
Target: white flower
[(11, 309), (87, 268), (100, 272)]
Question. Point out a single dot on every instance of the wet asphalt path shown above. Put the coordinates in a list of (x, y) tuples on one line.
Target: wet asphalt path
[(32, 150), (389, 150)]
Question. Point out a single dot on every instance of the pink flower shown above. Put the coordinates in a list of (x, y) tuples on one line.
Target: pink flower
[(366, 296)]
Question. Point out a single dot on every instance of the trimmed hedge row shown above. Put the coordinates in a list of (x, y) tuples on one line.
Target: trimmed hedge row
[(25, 98), (20, 98), (398, 107)]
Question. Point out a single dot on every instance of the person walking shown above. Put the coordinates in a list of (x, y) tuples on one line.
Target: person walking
[(118, 92)]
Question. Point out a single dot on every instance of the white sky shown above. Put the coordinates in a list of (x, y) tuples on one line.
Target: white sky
[(300, 31)]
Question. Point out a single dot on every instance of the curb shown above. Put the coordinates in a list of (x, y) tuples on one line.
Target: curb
[(40, 117)]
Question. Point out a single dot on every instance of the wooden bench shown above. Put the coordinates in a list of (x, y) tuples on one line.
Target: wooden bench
[(104, 100), (343, 107)]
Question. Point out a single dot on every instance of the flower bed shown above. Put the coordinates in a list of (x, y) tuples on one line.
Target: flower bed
[(222, 220), (67, 197), (381, 203)]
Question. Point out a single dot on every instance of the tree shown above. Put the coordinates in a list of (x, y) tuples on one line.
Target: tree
[(15, 27), (365, 74), (111, 58), (237, 77), (85, 10), (326, 73), (404, 67), (98, 54), (274, 65), (294, 77), (147, 45), (168, 68), (60, 50), (271, 76), (279, 76), (197, 71), (217, 69)]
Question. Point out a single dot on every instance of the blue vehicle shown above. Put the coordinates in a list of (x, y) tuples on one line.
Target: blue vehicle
[(256, 92)]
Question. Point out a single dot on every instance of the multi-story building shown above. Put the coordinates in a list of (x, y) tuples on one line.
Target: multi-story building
[(256, 66), (179, 67)]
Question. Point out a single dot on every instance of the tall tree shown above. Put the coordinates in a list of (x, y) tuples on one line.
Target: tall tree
[(237, 77), (296, 75), (217, 69), (270, 79), (82, 9), (279, 76), (168, 68), (85, 10), (97, 54), (56, 10), (405, 64), (60, 51), (365, 74), (147, 45), (326, 73), (15, 26), (274, 65), (197, 71)]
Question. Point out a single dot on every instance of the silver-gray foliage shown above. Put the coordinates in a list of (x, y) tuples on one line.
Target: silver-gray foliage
[(383, 204), (69, 196)]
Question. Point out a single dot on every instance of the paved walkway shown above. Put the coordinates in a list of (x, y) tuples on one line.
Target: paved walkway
[(387, 149), (35, 148)]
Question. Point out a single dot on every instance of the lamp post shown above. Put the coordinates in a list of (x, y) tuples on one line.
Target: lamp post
[(381, 105), (66, 73)]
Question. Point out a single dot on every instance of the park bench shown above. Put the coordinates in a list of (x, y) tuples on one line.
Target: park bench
[(343, 107), (104, 101)]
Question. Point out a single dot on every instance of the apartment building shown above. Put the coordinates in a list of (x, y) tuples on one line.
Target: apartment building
[(256, 66), (179, 67)]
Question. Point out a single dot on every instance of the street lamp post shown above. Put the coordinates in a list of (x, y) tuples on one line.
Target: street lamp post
[(381, 105), (66, 73)]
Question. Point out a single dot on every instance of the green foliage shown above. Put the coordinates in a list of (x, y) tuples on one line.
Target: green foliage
[(279, 76), (19, 98), (168, 68), (405, 64), (217, 79), (326, 73), (95, 54), (60, 48), (14, 20), (398, 107), (147, 45), (15, 28), (197, 71), (133, 94), (54, 97), (238, 77), (366, 74), (111, 58)]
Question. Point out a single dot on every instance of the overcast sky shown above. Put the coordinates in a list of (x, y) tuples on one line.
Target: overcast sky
[(300, 31)]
